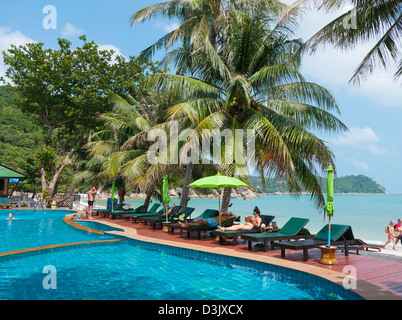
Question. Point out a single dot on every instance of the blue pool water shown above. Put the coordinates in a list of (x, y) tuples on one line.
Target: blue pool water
[(135, 270), (40, 228), (97, 226), (126, 270)]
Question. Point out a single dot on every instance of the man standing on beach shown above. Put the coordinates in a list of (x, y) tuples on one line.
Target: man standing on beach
[(91, 198)]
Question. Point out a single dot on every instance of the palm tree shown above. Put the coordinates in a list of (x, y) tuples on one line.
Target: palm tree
[(374, 20), (250, 81), (105, 149), (197, 17)]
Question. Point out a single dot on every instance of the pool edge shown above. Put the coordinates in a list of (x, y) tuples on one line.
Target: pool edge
[(364, 289)]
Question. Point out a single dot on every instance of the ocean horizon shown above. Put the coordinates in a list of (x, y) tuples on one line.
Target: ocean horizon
[(367, 214)]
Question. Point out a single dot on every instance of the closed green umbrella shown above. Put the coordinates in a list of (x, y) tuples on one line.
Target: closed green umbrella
[(329, 206), (112, 195), (218, 181), (165, 195)]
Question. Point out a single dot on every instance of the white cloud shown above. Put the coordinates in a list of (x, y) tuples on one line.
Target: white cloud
[(363, 138), (356, 136), (70, 30), (109, 47), (166, 27), (7, 38), (359, 164)]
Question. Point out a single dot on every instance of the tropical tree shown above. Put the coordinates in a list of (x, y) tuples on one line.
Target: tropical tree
[(64, 90), (197, 17), (368, 20), (250, 81)]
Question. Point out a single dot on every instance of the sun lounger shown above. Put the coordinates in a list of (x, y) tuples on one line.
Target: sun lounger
[(117, 214), (293, 229), (198, 230), (208, 213), (5, 203), (340, 235), (133, 215), (367, 246), (108, 210), (235, 234), (179, 216), (171, 214)]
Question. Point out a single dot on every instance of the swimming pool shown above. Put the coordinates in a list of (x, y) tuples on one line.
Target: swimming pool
[(139, 270), (36, 228), (128, 271)]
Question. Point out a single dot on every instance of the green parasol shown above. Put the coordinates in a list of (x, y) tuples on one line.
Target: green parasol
[(218, 181), (165, 195), (329, 206), (112, 196)]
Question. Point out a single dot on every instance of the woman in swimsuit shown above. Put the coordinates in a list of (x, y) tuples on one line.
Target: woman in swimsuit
[(249, 225), (391, 236)]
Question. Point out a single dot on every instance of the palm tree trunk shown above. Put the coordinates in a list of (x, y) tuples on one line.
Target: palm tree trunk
[(186, 188), (226, 198), (149, 194)]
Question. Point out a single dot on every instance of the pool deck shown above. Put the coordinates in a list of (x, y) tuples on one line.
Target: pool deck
[(376, 279)]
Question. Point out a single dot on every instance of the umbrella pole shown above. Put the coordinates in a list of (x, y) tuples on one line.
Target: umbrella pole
[(329, 231), (219, 206), (165, 228)]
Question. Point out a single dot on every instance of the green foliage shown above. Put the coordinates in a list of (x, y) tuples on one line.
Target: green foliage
[(347, 184), (19, 138), (64, 91), (357, 184)]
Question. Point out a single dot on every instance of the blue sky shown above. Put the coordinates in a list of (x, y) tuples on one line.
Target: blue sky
[(372, 111)]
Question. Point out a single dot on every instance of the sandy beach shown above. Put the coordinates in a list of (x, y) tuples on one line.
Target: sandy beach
[(386, 253)]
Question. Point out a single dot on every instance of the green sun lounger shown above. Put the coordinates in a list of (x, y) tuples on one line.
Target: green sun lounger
[(117, 214), (265, 219), (151, 212), (171, 214), (178, 217), (198, 230), (208, 213), (5, 203), (108, 210), (293, 229), (340, 235)]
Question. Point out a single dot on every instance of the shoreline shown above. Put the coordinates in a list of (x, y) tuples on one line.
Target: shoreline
[(212, 196)]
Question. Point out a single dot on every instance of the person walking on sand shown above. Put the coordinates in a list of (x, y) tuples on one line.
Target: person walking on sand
[(91, 198), (398, 230), (391, 235)]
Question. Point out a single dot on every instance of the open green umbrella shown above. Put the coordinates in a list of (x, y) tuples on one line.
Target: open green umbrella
[(329, 206), (165, 195), (112, 195), (218, 181)]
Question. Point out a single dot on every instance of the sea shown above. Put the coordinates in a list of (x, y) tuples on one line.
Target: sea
[(367, 214)]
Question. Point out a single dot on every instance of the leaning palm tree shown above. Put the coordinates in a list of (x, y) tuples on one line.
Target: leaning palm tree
[(380, 21), (250, 81)]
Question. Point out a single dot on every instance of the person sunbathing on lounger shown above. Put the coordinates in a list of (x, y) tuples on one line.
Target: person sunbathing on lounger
[(250, 224), (211, 222)]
